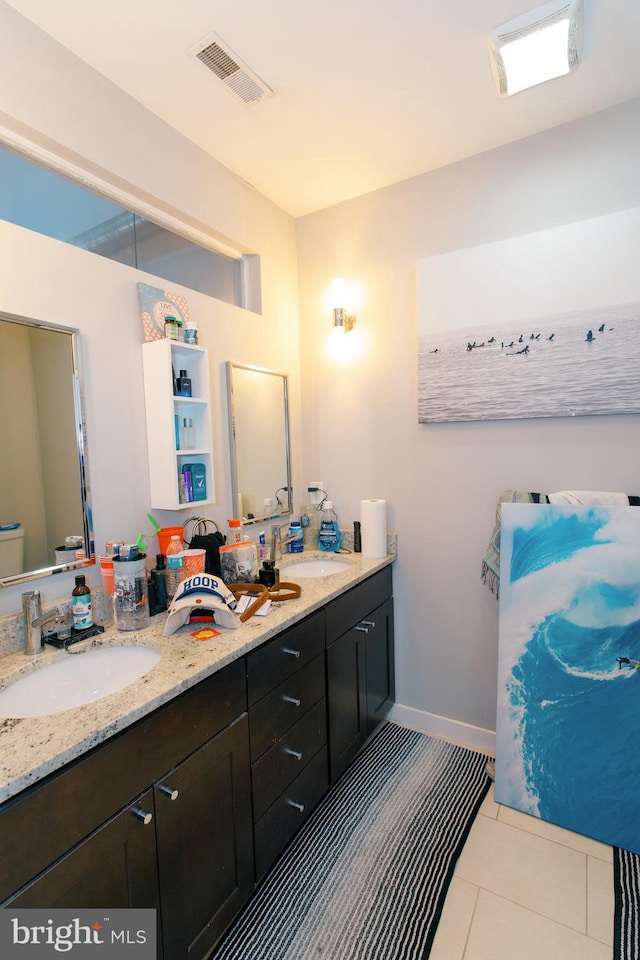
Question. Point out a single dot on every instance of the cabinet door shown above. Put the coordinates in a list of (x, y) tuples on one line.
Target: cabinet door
[(347, 699), (205, 849), (114, 867), (380, 663)]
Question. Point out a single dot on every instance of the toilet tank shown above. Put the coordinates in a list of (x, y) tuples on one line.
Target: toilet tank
[(11, 551)]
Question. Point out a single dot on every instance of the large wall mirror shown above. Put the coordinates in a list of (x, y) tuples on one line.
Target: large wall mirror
[(259, 437), (45, 517)]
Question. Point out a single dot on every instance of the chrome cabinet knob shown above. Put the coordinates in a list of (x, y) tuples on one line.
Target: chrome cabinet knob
[(145, 815), (293, 700), (298, 806), (291, 653), (293, 753), (170, 792)]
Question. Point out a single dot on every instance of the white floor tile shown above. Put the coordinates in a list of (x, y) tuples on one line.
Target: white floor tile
[(532, 871), (455, 922), (568, 838), (600, 900), (501, 930), (489, 806)]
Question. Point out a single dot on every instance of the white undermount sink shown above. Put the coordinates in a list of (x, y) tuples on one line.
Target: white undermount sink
[(78, 679), (322, 567)]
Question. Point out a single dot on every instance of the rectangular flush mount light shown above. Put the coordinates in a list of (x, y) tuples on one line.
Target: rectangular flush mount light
[(537, 46)]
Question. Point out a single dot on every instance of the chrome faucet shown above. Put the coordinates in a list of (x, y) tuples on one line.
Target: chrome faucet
[(35, 620), (277, 540)]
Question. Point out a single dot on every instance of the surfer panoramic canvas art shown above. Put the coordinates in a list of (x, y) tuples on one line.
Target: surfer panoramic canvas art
[(541, 325), (568, 722)]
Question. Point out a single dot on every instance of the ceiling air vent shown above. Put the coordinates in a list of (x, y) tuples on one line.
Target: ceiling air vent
[(222, 61)]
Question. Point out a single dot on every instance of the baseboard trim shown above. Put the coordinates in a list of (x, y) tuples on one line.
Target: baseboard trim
[(476, 738)]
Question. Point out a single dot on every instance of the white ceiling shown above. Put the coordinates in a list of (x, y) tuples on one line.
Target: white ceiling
[(366, 92)]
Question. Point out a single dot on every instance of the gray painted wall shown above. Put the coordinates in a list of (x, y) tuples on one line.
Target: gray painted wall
[(442, 481)]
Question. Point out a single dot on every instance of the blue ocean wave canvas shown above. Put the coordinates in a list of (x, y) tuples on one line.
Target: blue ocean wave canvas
[(568, 725)]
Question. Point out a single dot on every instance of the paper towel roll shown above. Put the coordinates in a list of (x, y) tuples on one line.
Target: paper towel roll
[(373, 518)]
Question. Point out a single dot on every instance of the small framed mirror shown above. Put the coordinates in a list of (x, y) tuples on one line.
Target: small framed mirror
[(259, 442), (45, 515)]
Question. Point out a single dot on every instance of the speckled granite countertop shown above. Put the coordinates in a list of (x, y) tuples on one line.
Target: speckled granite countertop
[(32, 748)]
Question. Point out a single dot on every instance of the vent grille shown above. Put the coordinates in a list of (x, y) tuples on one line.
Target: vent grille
[(220, 60)]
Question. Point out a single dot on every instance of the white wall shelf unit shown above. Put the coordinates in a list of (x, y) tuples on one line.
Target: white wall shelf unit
[(161, 361)]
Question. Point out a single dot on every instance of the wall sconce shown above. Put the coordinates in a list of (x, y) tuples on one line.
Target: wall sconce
[(342, 320)]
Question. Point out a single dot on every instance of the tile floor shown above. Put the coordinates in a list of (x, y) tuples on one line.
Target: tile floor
[(524, 889)]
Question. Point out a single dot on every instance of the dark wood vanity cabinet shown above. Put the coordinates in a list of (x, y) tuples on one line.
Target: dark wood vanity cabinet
[(114, 867), (288, 733), (183, 846), (360, 667), (186, 810)]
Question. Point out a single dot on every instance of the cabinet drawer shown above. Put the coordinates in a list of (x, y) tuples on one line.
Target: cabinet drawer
[(283, 656), (271, 717), (281, 821), (276, 768), (354, 605)]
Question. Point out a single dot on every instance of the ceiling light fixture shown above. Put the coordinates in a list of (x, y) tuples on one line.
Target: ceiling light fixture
[(537, 46)]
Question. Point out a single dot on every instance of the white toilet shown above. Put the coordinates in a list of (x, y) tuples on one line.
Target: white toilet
[(11, 552)]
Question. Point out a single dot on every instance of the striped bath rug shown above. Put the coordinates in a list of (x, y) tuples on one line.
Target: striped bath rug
[(367, 875), (626, 923)]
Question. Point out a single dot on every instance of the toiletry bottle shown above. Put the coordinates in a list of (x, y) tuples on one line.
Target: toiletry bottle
[(198, 479), (262, 546), (188, 485), (81, 604), (184, 384), (305, 523), (170, 328), (269, 574), (295, 530), (175, 565), (357, 537), (158, 587), (187, 434), (191, 332), (235, 531), (329, 538)]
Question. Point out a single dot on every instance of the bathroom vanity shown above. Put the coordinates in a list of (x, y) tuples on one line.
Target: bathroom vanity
[(180, 791)]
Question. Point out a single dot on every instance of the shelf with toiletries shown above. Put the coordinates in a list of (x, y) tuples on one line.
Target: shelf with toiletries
[(178, 413)]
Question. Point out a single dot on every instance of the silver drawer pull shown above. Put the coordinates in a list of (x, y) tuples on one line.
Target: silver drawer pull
[(299, 806), (143, 815), (291, 653), (368, 623), (362, 629), (170, 792), (293, 700), (293, 753)]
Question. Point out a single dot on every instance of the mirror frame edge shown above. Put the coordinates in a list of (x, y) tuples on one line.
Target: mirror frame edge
[(235, 487), (83, 466)]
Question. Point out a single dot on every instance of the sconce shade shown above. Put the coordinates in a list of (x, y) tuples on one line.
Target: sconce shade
[(341, 319)]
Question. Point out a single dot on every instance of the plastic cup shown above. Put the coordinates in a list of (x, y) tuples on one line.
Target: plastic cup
[(194, 562), (130, 597), (106, 569), (164, 537)]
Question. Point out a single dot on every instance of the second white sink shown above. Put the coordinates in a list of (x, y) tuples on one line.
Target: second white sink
[(322, 567), (78, 679)]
